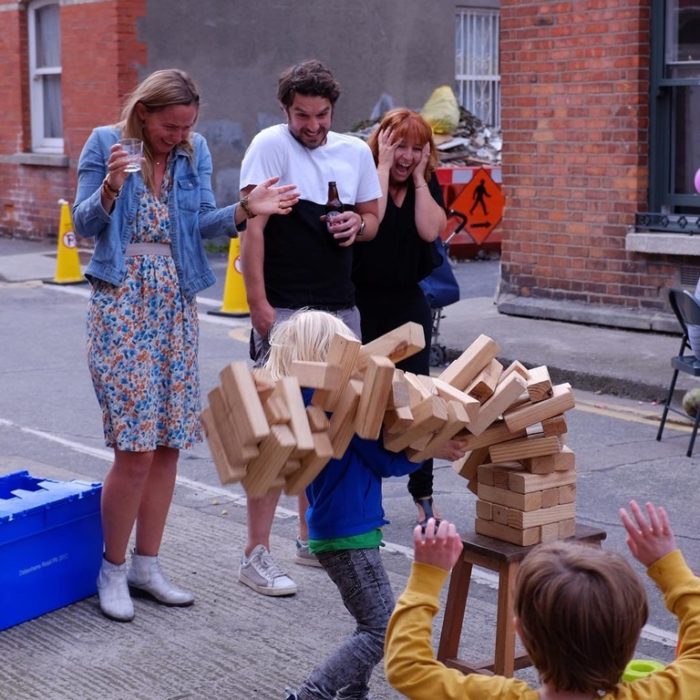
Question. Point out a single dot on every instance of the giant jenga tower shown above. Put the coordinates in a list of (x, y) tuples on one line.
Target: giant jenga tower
[(510, 420)]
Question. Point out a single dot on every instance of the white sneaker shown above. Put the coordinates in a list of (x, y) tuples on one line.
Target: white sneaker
[(305, 556), (261, 572)]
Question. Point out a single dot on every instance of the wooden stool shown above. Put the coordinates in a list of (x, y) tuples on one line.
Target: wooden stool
[(504, 558)]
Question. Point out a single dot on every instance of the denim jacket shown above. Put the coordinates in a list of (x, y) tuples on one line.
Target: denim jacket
[(192, 208)]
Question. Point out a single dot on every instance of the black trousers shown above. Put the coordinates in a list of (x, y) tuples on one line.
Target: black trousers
[(381, 312)]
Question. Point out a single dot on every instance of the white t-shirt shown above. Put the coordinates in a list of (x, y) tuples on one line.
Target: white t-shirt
[(347, 160)]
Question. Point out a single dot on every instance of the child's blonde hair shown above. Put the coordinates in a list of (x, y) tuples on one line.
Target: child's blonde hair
[(305, 335)]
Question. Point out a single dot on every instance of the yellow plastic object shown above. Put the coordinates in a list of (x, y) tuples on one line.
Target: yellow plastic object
[(441, 110), (639, 668), (67, 260), (235, 301)]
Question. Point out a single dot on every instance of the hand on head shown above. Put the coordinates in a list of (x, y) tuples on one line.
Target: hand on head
[(419, 170), (437, 546), (387, 147), (648, 539), (266, 199)]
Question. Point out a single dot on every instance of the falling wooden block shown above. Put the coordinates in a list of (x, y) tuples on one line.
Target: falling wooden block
[(244, 403), (554, 426), (539, 385), (376, 388), (497, 432), (484, 384), (276, 410), (311, 465), (228, 473), (343, 352), (456, 420), (562, 399), (506, 392), (449, 393), (526, 519), (316, 375), (524, 482), (464, 369), (398, 419), (236, 453), (511, 499), (318, 420), (288, 388), (264, 383), (516, 450), (467, 466), (561, 461), (428, 416), (518, 367), (342, 422), (396, 345), (399, 395), (523, 538), (421, 389), (264, 470)]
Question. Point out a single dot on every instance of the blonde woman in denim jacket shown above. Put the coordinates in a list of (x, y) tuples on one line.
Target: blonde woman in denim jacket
[(148, 264)]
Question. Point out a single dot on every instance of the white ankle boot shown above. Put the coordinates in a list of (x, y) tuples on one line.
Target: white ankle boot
[(113, 591), (145, 576)]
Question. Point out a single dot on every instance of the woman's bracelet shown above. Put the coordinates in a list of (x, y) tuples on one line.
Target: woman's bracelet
[(109, 191)]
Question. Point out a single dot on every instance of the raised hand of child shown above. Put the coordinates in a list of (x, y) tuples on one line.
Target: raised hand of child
[(651, 539), (439, 546)]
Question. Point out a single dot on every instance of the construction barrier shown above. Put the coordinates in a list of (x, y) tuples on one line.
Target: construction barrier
[(235, 302), (67, 259)]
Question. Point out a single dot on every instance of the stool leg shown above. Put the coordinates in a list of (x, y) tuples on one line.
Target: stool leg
[(454, 611), (504, 661), (689, 453), (667, 405)]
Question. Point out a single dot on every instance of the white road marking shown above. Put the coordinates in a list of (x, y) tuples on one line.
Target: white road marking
[(482, 576)]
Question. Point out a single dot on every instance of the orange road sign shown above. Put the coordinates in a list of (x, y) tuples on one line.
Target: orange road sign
[(482, 202)]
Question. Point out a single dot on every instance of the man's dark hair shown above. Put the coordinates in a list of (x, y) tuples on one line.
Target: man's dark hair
[(310, 78)]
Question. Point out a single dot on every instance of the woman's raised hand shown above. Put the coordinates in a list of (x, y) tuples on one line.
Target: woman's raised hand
[(266, 199), (116, 164), (387, 147)]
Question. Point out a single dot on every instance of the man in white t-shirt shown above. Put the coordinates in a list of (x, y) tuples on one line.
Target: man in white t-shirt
[(297, 260)]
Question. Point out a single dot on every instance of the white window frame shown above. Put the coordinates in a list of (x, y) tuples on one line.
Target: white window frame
[(477, 73), (40, 142)]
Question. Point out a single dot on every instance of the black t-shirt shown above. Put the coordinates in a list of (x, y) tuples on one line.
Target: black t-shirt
[(397, 257)]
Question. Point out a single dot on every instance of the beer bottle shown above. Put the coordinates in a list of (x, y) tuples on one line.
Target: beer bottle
[(333, 206)]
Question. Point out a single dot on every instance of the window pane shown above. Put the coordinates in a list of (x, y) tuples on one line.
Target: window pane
[(682, 39), (53, 116), (476, 63), (48, 37)]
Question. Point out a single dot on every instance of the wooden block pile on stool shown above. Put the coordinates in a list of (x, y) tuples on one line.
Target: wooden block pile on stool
[(517, 462)]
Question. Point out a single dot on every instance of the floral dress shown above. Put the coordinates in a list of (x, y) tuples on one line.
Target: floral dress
[(142, 344)]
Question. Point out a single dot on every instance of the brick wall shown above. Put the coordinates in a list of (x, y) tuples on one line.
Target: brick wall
[(100, 60), (575, 119)]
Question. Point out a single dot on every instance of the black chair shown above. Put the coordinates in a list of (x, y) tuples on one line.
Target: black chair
[(687, 310)]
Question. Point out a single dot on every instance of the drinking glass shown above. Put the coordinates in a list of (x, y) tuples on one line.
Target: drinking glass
[(134, 149)]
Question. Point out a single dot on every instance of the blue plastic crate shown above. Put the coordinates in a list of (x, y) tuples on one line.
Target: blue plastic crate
[(50, 544)]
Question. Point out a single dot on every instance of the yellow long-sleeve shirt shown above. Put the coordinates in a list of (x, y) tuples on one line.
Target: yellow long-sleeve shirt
[(412, 669)]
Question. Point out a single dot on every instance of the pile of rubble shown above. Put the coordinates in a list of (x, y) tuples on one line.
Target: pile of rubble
[(471, 143)]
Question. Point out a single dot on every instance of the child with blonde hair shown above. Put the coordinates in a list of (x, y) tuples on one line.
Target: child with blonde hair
[(345, 517), (579, 613)]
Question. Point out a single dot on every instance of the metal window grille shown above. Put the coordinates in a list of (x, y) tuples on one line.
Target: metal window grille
[(477, 71)]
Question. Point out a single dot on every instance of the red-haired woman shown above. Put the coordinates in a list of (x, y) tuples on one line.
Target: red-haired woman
[(387, 270)]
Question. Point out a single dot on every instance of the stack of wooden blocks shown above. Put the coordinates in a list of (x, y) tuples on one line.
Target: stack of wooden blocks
[(510, 419)]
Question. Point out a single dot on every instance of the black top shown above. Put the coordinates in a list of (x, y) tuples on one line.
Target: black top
[(397, 257)]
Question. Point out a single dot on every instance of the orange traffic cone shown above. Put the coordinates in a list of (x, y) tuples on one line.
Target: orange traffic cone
[(67, 260), (235, 302)]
